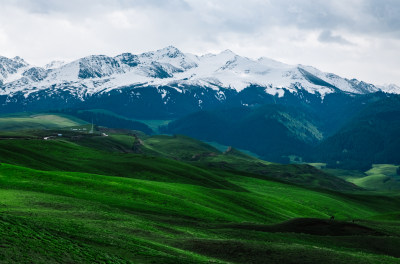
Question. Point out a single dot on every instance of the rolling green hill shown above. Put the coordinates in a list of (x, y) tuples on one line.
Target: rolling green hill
[(87, 198), (79, 217), (198, 153), (381, 177), (87, 152), (107, 119), (28, 121), (69, 156), (152, 124)]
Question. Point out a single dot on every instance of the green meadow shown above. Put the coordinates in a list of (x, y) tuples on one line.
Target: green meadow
[(381, 177), (125, 197), (37, 121)]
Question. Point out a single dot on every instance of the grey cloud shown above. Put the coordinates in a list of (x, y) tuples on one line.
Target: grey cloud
[(251, 16), (74, 28), (358, 16), (328, 37), (88, 7), (353, 16), (384, 15)]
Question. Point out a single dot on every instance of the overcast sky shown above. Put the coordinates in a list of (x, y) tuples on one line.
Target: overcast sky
[(352, 38)]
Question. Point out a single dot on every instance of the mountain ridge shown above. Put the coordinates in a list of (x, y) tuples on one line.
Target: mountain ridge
[(170, 67)]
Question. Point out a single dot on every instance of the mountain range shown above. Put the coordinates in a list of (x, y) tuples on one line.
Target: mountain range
[(273, 109), (167, 74), (101, 162)]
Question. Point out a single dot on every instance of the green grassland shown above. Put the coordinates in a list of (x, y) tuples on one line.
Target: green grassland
[(78, 217), (206, 156), (93, 153), (81, 144), (221, 147), (381, 177), (124, 197), (153, 124), (37, 121)]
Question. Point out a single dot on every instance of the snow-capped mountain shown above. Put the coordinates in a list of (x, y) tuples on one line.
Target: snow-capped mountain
[(166, 70), (54, 65), (389, 88), (169, 66), (11, 69)]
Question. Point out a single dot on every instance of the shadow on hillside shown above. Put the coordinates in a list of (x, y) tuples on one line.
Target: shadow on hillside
[(312, 226)]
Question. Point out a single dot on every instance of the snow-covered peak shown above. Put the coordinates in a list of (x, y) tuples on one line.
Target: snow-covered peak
[(170, 66), (363, 87), (227, 52), (54, 65), (169, 56), (170, 51), (11, 69), (272, 63), (20, 60), (165, 53), (390, 88), (350, 86), (90, 67), (97, 66), (128, 59), (35, 74)]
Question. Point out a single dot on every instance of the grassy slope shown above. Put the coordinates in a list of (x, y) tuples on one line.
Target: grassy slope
[(153, 124), (201, 154), (221, 147), (171, 147), (69, 156), (89, 153), (381, 177), (131, 219), (86, 201), (165, 146), (37, 121)]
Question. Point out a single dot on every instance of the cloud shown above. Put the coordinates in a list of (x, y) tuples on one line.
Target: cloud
[(338, 36), (383, 16), (328, 37)]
